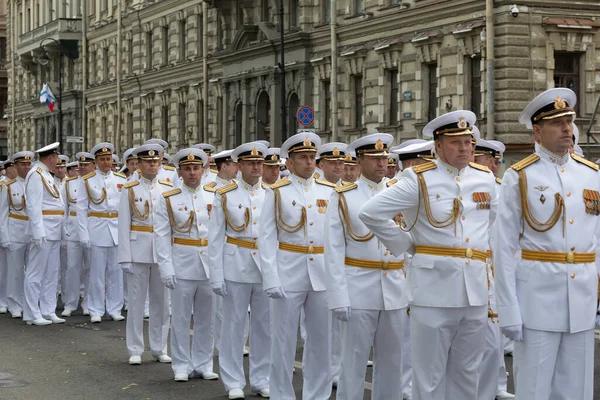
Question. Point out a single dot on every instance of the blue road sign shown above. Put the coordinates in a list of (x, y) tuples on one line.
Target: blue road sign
[(305, 115)]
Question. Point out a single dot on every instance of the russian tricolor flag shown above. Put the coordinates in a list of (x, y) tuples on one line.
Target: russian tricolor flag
[(47, 97)]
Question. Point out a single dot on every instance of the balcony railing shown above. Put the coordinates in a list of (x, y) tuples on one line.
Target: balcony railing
[(59, 29)]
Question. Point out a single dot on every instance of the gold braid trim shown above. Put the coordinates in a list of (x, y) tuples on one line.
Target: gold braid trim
[(559, 208), (11, 202), (434, 222), (55, 193), (279, 220), (235, 228), (343, 213), (93, 200), (69, 199), (186, 227), (141, 217)]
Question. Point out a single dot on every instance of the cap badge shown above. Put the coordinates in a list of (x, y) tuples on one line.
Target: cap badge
[(190, 156), (462, 124), (559, 103), (104, 149), (348, 157), (307, 142), (274, 157), (391, 161), (151, 153), (254, 152), (379, 145), (82, 158), (336, 152), (27, 158)]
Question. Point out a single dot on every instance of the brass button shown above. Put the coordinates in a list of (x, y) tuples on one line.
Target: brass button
[(568, 194), (468, 262), (467, 240), (201, 251), (251, 194), (572, 276), (457, 179), (197, 210), (311, 259), (306, 189), (571, 220), (256, 245), (310, 206), (195, 197), (254, 223), (460, 197), (254, 207), (254, 238), (562, 170), (311, 224), (253, 253), (463, 218), (385, 253), (572, 248), (312, 241)]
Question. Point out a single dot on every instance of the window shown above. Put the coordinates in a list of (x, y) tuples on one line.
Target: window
[(239, 116), (164, 119), (104, 5), (129, 142), (105, 63), (358, 100), (393, 99), (219, 118), (566, 72), (93, 66), (36, 23), (326, 90), (130, 57), (199, 118), (182, 124), (3, 101), (182, 41), (149, 50), (149, 123), (326, 11), (165, 45), (199, 35), (358, 6), (239, 14), (21, 23), (294, 13), (264, 11), (219, 32), (2, 49), (431, 91), (476, 86), (104, 129), (28, 22)]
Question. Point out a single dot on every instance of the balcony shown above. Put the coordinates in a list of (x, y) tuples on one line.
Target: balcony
[(62, 29)]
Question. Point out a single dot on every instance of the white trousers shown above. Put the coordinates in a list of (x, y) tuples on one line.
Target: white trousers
[(62, 271), (17, 260), (336, 349), (3, 278), (285, 316), (72, 283), (554, 365), (105, 287), (188, 296), (491, 358), (41, 280), (406, 345), (381, 330), (231, 350), (446, 347), (145, 278)]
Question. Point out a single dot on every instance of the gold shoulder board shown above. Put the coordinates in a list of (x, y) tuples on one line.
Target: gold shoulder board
[(88, 176), (169, 168), (10, 182), (227, 188), (419, 169), (120, 175), (264, 185), (316, 175), (499, 181), (131, 184), (585, 162), (165, 182), (391, 182), (214, 171), (72, 178), (139, 171), (281, 183), (325, 183), (39, 170), (345, 188), (479, 167), (526, 162), (171, 193), (210, 187)]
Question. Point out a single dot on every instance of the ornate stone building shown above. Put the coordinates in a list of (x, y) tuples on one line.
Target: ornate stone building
[(164, 69), (3, 83)]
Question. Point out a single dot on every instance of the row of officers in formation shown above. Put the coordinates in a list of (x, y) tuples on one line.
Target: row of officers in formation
[(417, 254)]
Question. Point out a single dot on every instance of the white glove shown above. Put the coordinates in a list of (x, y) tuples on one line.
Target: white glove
[(169, 281), (86, 244), (37, 243), (219, 288), (513, 332), (597, 321), (342, 313), (127, 267), (276, 293), (6, 246)]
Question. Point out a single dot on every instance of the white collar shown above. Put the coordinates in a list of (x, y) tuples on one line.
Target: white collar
[(148, 181), (549, 156), (449, 168), (372, 185), (191, 190), (249, 187), (301, 181)]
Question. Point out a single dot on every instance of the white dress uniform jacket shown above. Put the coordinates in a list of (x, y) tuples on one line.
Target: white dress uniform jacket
[(13, 218), (45, 206), (70, 195)]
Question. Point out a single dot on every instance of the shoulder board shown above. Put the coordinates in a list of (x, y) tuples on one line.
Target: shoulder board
[(39, 170), (227, 188), (526, 162), (316, 175), (171, 193), (344, 183), (325, 183), (214, 171), (585, 162), (120, 175), (391, 182), (88, 176), (10, 182), (161, 181), (71, 178), (499, 181), (139, 171), (345, 188), (264, 185), (419, 169), (210, 187), (131, 184), (479, 167), (169, 168), (281, 183)]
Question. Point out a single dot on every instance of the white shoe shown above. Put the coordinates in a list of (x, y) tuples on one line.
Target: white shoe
[(209, 376), (163, 358), (39, 322), (369, 363), (117, 317), (266, 393), (236, 393), (66, 313), (86, 312), (135, 360), (54, 319), (181, 377), (17, 314), (504, 395), (246, 352), (3, 310), (96, 319)]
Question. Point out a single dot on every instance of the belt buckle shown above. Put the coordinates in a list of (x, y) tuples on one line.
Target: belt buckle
[(256, 245), (110, 215), (310, 250), (570, 257), (385, 265), (469, 253)]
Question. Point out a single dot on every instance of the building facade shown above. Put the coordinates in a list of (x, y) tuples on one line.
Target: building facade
[(3, 83), (190, 71)]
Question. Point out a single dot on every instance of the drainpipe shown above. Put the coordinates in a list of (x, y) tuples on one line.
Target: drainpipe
[(84, 73), (333, 78), (491, 61), (13, 55), (205, 72), (117, 139)]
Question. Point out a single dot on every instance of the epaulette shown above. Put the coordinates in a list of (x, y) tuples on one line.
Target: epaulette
[(281, 183), (325, 183), (39, 170), (419, 169), (214, 171), (210, 187), (499, 181), (120, 175), (169, 168), (391, 182), (264, 185), (139, 171), (585, 162), (227, 188), (162, 181), (10, 182), (171, 193), (345, 188), (344, 183), (526, 162), (131, 184), (71, 178), (316, 175), (88, 176), (479, 167)]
